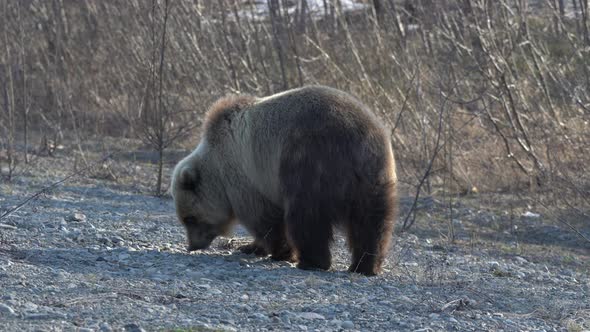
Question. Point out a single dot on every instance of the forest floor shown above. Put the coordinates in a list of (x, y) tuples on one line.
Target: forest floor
[(99, 253)]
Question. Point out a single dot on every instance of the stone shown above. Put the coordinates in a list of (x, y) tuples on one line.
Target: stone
[(44, 316), (310, 315), (77, 217), (133, 327), (6, 310), (105, 327), (347, 325), (259, 316)]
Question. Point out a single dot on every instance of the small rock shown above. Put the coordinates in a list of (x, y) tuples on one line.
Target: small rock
[(244, 297), (529, 214), (203, 286), (493, 264), (438, 247), (30, 306), (132, 327), (520, 260), (409, 264), (77, 217), (75, 232), (6, 226), (434, 316), (160, 277), (406, 299), (285, 317), (44, 316), (411, 238), (117, 240), (84, 329), (215, 291), (259, 316), (509, 322), (310, 315), (102, 239), (105, 327), (347, 325), (5, 310)]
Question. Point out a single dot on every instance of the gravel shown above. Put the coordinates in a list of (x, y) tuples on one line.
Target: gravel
[(94, 256)]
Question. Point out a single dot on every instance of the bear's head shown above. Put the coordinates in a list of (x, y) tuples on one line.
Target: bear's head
[(201, 205)]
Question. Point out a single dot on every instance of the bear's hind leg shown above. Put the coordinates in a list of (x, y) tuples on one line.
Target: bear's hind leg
[(369, 233), (310, 234)]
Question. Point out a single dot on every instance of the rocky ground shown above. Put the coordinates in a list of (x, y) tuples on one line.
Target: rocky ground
[(98, 255)]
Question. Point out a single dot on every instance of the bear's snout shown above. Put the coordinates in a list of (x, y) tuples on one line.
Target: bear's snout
[(199, 238), (196, 244)]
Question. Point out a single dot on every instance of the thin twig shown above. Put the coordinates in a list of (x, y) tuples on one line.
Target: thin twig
[(561, 220), (437, 147)]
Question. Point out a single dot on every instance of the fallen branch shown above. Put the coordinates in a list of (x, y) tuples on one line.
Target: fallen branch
[(51, 186)]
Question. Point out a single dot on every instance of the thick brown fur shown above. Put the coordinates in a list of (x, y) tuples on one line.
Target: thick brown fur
[(224, 107), (290, 168)]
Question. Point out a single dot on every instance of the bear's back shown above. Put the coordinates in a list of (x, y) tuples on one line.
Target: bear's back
[(312, 108), (314, 123)]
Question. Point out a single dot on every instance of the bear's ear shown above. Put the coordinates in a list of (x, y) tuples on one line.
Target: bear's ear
[(188, 179)]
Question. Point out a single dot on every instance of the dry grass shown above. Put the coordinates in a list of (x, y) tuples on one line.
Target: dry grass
[(504, 89)]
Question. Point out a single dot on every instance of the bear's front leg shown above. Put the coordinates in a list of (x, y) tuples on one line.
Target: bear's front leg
[(276, 244), (279, 247)]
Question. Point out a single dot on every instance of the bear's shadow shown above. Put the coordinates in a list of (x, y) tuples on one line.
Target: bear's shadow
[(123, 263)]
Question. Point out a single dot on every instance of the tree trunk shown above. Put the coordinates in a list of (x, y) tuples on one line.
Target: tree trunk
[(160, 168), (25, 102), (161, 117), (273, 6), (379, 12)]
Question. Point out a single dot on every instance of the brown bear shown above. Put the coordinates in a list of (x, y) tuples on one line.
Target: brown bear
[(290, 168)]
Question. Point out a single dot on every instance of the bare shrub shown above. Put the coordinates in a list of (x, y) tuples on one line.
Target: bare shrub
[(480, 96)]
